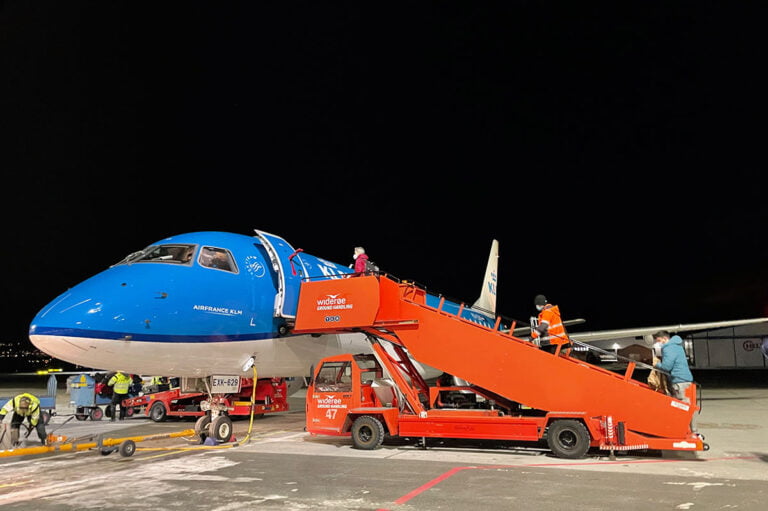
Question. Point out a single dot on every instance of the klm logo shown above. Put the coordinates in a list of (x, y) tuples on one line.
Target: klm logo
[(492, 284), (328, 271)]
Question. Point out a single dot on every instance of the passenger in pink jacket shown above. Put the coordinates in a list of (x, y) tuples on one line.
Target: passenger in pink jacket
[(360, 258)]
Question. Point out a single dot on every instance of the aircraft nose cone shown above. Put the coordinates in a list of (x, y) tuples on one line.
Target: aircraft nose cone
[(68, 312)]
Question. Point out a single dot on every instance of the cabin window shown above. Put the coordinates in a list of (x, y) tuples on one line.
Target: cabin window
[(369, 368), (173, 254), (334, 377), (217, 258)]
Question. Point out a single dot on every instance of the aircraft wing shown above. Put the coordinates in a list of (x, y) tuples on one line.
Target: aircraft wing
[(600, 335)]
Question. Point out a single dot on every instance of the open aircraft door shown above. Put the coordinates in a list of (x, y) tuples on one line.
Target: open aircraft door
[(289, 273)]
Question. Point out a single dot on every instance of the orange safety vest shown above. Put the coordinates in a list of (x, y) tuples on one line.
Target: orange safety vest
[(555, 329)]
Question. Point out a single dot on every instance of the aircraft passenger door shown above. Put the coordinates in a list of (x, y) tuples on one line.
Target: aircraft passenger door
[(288, 275)]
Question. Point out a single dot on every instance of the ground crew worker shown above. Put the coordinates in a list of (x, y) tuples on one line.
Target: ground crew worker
[(548, 325), (120, 384), (24, 406)]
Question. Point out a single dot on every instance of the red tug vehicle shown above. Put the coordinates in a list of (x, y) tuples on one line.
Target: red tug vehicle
[(271, 396), (518, 392)]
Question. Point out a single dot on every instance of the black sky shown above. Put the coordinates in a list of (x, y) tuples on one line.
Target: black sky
[(614, 150)]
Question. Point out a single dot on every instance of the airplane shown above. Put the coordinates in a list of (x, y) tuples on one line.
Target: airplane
[(216, 303), (208, 303)]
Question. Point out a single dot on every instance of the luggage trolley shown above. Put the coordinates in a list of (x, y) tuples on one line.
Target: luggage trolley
[(83, 397)]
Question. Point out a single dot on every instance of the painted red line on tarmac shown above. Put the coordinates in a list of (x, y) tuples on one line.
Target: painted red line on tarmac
[(421, 489), (408, 496)]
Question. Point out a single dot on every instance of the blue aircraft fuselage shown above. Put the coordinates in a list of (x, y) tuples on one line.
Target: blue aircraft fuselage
[(195, 304)]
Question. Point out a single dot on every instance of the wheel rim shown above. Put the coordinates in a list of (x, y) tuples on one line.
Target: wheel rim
[(567, 439), (222, 429), (365, 434)]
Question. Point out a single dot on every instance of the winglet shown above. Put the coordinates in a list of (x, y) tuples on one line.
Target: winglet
[(487, 300)]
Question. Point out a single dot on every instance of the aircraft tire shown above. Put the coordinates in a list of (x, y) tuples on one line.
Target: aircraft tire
[(568, 438), (202, 426), (367, 433), (221, 428)]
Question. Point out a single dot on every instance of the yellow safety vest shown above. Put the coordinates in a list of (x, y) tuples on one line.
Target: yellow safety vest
[(33, 412), (120, 383)]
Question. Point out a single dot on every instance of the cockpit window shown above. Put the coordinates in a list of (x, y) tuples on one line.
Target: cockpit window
[(173, 254), (218, 258)]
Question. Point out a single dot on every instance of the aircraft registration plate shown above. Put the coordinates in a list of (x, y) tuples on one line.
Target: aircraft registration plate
[(225, 384)]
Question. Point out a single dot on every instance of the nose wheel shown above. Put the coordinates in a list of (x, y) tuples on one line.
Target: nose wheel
[(220, 428)]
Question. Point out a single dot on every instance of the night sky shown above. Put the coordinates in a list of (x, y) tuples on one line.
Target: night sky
[(615, 151)]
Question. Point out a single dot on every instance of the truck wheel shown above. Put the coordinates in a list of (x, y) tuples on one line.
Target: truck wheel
[(80, 413), (367, 433), (568, 439), (96, 414), (221, 428), (158, 413)]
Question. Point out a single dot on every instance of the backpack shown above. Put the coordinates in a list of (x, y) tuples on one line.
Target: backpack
[(371, 267)]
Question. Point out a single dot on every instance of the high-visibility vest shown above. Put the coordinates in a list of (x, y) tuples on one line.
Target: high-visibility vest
[(555, 329), (33, 412), (120, 383)]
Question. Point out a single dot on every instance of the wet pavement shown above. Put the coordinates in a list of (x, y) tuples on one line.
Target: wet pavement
[(276, 465)]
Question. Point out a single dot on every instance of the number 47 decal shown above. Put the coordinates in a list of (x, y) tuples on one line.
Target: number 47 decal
[(331, 413)]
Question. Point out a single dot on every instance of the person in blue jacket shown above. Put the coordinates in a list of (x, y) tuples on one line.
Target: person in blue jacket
[(674, 361)]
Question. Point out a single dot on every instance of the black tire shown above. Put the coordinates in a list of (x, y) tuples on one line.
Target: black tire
[(81, 416), (127, 448), (568, 439), (221, 428), (158, 413), (367, 433), (96, 414), (202, 426)]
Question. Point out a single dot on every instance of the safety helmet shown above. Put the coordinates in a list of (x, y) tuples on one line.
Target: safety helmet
[(540, 300)]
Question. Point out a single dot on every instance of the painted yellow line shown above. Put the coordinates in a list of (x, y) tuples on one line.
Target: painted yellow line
[(10, 485)]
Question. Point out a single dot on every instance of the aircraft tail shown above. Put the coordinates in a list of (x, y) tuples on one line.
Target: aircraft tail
[(487, 300)]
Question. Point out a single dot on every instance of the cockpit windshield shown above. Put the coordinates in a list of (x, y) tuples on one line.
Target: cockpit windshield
[(173, 254)]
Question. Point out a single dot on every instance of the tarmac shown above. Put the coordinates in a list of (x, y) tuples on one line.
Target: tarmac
[(275, 465)]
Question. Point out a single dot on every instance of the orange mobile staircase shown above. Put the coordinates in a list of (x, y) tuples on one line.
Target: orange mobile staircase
[(620, 413)]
